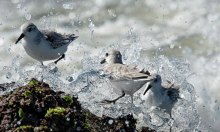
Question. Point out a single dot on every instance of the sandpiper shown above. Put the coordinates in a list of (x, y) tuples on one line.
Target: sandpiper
[(161, 97), (124, 79), (44, 45)]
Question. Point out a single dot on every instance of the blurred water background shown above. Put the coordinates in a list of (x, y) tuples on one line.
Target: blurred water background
[(165, 27)]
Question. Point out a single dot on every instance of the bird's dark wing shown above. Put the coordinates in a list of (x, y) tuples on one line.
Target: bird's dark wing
[(58, 40), (174, 93)]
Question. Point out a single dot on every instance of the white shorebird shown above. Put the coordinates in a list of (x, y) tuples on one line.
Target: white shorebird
[(124, 79), (44, 45), (158, 96)]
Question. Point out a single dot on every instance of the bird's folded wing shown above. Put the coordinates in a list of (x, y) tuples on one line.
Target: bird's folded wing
[(174, 93), (125, 72), (58, 40)]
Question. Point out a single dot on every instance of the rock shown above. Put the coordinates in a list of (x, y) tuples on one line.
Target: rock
[(39, 104), (38, 129)]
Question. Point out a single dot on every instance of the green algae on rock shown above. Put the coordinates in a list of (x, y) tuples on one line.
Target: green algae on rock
[(24, 109), (45, 110)]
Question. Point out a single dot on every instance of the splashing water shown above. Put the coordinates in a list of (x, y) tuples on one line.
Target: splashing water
[(96, 89), (92, 88), (28, 16)]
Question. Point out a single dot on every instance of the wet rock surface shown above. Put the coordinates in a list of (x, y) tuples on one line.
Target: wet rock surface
[(35, 107)]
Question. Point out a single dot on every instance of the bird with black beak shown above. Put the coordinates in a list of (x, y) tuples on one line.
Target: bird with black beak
[(44, 45), (123, 78)]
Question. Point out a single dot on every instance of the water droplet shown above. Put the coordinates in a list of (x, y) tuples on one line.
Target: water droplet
[(19, 123), (18, 6), (160, 49), (67, 6), (180, 47), (109, 10), (72, 22), (28, 16), (58, 53), (163, 110), (203, 107), (218, 108), (89, 19), (127, 122), (91, 25), (216, 101), (185, 21), (67, 119), (9, 49), (92, 35), (79, 22), (78, 128), (114, 15), (72, 15), (110, 122), (51, 13), (5, 68), (30, 64), (172, 46), (69, 78), (8, 75)]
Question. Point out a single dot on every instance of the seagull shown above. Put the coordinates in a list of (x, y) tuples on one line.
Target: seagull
[(44, 45), (123, 78), (163, 97)]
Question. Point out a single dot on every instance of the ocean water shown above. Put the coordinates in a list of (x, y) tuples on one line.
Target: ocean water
[(146, 32)]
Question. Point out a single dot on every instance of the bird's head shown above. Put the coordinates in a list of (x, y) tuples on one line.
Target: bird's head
[(154, 83), (112, 56), (28, 30)]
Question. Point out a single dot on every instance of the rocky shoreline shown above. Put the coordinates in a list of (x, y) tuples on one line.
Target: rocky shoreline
[(35, 107)]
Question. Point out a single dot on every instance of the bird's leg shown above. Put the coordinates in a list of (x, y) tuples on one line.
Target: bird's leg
[(42, 75), (132, 104), (63, 56), (172, 119), (132, 99), (113, 101)]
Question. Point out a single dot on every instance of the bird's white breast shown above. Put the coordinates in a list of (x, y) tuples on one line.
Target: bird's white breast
[(128, 86), (41, 50)]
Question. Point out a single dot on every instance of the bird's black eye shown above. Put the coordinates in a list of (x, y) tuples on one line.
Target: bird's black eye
[(106, 54), (155, 80), (29, 30)]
